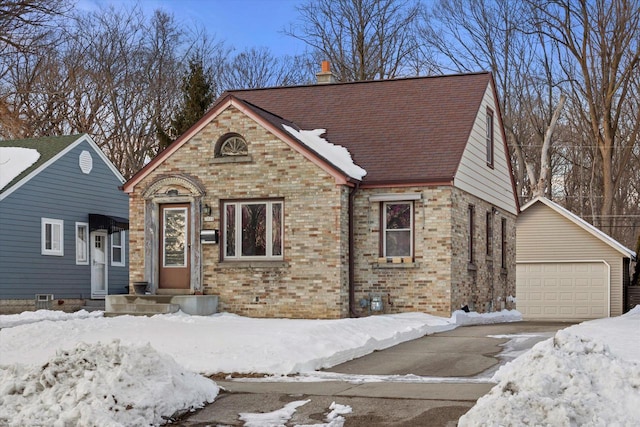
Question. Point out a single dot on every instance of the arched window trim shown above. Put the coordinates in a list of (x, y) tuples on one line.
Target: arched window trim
[(232, 145)]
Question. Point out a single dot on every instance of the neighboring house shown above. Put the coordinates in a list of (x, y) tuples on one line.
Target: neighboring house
[(567, 269), (62, 224), (331, 200)]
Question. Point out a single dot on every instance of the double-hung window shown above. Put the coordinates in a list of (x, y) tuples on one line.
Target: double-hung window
[(503, 235), (253, 230), (472, 229), (117, 249), (489, 238), (489, 138), (52, 237), (397, 238), (82, 243)]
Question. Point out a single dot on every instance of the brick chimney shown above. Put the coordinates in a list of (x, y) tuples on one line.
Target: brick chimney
[(326, 76)]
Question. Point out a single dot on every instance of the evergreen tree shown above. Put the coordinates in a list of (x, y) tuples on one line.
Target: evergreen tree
[(197, 96)]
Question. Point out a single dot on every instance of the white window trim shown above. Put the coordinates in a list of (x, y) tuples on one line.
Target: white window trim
[(87, 243), (53, 222), (384, 225), (395, 197), (122, 262), (238, 232), (490, 139)]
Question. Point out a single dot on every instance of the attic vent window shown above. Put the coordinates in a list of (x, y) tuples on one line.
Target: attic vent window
[(233, 146), (86, 162)]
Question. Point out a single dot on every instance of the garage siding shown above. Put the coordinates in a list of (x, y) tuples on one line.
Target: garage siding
[(545, 235)]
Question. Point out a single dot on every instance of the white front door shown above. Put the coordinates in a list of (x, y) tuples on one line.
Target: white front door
[(99, 264)]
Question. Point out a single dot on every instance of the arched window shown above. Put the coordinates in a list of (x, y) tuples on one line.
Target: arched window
[(231, 146)]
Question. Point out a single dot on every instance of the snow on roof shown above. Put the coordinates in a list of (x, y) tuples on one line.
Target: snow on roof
[(15, 160), (338, 155)]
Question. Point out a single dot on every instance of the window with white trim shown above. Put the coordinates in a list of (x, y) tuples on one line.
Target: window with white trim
[(397, 225), (253, 230), (82, 243), (117, 249), (52, 237), (489, 138)]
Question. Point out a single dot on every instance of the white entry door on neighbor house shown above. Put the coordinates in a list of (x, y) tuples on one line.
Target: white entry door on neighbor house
[(99, 264)]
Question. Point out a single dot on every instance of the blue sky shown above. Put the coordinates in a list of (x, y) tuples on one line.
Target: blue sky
[(241, 23)]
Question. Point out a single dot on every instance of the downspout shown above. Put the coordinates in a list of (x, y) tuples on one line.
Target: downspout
[(352, 290)]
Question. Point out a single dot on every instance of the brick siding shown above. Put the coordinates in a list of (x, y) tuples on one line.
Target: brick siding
[(312, 280)]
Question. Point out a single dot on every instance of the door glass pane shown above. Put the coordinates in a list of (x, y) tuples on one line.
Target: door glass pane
[(254, 229), (230, 237), (99, 264), (276, 228), (175, 233)]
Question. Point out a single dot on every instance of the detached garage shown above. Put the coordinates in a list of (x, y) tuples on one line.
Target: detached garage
[(566, 268)]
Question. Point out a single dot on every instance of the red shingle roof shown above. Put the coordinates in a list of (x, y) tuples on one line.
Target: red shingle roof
[(401, 131)]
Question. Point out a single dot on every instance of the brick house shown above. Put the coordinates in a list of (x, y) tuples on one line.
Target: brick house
[(333, 200)]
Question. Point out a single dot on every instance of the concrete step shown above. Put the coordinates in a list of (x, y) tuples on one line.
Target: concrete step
[(146, 309), (150, 305)]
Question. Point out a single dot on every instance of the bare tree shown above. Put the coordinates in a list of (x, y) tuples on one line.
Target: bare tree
[(472, 35), (599, 49), (25, 28), (258, 67), (363, 39)]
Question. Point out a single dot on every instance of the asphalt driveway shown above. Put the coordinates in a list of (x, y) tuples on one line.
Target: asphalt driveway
[(430, 381)]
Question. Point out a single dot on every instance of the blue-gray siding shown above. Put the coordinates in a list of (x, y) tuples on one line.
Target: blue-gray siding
[(62, 192)]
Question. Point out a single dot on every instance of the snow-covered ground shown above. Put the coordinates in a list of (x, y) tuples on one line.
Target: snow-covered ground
[(586, 375), (84, 369)]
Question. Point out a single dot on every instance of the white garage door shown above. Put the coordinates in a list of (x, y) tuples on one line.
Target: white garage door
[(562, 291)]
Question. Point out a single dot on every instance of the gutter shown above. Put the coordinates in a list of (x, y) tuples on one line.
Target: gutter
[(352, 291)]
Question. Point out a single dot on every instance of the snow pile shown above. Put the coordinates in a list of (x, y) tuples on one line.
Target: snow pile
[(100, 385), (57, 370), (336, 154), (26, 317), (462, 318), (575, 378), (14, 161)]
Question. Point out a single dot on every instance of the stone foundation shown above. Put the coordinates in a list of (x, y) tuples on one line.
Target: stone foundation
[(16, 306)]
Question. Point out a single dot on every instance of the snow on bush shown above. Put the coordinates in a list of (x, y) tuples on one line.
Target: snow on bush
[(100, 385), (564, 381)]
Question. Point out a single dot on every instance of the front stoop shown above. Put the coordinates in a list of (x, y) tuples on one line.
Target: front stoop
[(150, 305)]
